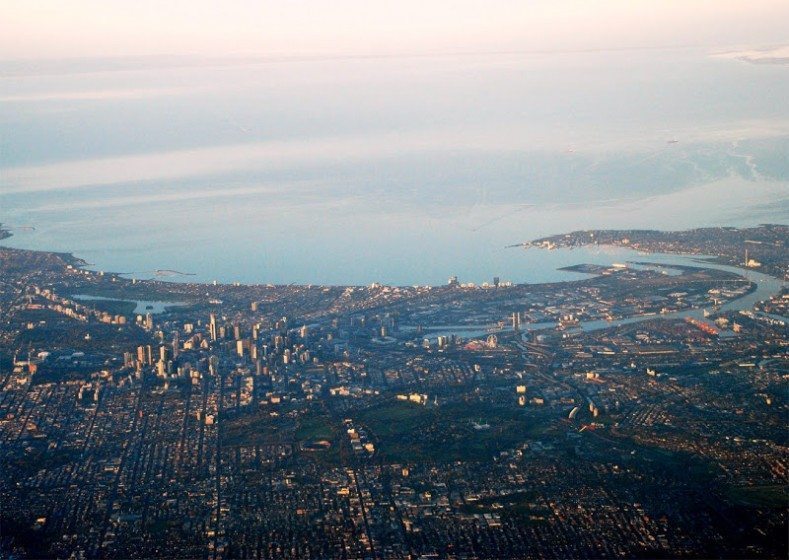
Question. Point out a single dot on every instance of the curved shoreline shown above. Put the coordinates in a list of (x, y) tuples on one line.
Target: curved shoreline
[(68, 258), (698, 258)]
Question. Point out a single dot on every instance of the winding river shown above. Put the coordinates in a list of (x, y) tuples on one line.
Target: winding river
[(766, 287)]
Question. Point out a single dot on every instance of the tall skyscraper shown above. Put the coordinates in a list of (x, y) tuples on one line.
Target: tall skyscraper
[(212, 327)]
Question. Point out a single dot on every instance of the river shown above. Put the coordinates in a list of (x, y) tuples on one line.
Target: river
[(766, 287)]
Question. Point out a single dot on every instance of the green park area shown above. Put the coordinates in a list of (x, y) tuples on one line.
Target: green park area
[(477, 431)]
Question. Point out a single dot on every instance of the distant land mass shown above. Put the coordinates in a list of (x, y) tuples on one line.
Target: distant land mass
[(768, 55), (762, 247)]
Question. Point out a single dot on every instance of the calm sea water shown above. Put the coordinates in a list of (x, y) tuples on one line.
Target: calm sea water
[(398, 170)]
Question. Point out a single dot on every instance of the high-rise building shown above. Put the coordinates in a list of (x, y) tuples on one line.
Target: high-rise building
[(212, 332)]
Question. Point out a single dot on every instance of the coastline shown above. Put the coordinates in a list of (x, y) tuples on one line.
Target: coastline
[(68, 258), (684, 243), (558, 241)]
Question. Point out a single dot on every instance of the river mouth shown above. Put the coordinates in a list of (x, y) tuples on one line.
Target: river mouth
[(764, 287)]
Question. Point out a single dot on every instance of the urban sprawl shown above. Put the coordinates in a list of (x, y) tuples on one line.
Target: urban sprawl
[(636, 412)]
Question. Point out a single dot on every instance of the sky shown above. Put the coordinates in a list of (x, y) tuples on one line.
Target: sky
[(90, 28)]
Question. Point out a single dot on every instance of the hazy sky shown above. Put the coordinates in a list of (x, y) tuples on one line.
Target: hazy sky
[(70, 28)]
